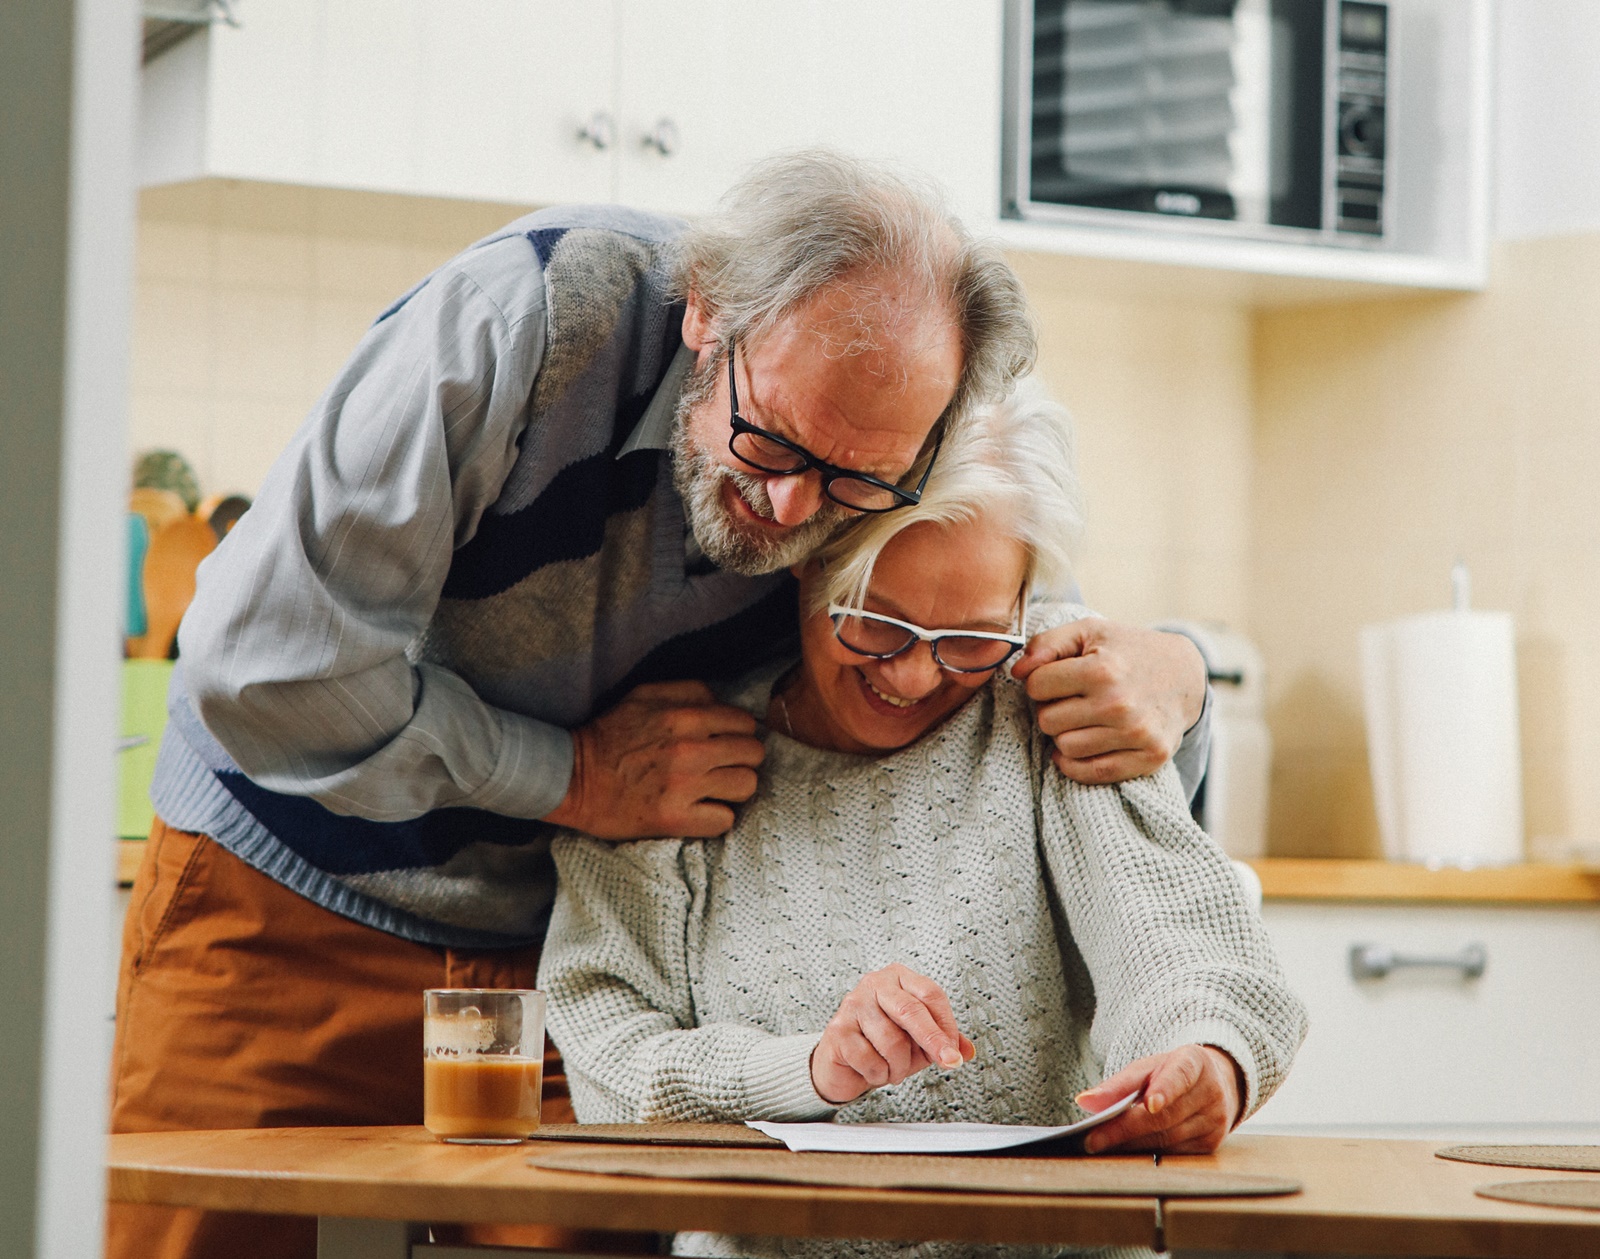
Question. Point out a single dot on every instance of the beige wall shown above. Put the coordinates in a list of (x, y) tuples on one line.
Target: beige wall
[(1160, 390), (1392, 438), (1293, 473), (249, 297)]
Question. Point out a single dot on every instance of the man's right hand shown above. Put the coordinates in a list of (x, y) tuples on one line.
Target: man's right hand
[(669, 760)]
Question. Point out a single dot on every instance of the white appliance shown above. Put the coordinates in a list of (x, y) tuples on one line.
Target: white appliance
[(1232, 805), (1264, 118)]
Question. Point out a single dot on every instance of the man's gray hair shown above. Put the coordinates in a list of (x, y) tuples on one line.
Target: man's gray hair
[(1014, 467), (799, 222)]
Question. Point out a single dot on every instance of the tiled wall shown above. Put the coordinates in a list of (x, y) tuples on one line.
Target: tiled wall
[(250, 296), (1159, 389), (1293, 473), (1393, 438)]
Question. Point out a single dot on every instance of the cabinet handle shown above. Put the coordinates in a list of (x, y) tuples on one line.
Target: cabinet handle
[(663, 137), (600, 130), (1375, 961)]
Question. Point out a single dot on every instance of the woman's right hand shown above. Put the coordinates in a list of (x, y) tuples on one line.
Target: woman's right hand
[(894, 1023)]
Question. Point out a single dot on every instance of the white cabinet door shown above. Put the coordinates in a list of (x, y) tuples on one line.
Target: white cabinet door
[(505, 88), (916, 81), (476, 99), (258, 98), (1427, 1047)]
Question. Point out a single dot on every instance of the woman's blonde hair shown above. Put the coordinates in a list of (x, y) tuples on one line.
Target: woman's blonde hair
[(1013, 465)]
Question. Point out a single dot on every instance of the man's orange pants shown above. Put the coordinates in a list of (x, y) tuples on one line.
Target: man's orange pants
[(241, 1004)]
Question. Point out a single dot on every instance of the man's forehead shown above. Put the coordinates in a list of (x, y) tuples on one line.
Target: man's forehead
[(880, 400)]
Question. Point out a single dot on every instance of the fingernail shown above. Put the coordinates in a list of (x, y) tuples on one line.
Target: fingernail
[(951, 1058), (1154, 1103)]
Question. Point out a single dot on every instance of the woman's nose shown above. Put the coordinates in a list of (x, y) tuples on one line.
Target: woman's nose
[(913, 674), (794, 499)]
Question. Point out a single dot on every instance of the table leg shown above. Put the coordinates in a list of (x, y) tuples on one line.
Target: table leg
[(366, 1239)]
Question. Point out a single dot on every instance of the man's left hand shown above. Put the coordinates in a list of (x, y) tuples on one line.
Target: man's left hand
[(1116, 698), (1190, 1103)]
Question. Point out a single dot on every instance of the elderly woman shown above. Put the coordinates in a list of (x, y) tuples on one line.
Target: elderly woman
[(915, 918)]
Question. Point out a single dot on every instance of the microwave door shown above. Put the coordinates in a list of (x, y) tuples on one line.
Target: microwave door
[(1160, 106)]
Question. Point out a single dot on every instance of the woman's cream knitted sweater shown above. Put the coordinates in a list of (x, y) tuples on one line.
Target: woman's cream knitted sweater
[(1074, 928)]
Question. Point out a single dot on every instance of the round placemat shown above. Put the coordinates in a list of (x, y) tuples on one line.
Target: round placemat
[(1555, 1158), (720, 1134), (1109, 1177), (1583, 1194)]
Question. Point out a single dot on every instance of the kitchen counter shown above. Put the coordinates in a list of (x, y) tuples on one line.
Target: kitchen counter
[(1329, 879), (1342, 879)]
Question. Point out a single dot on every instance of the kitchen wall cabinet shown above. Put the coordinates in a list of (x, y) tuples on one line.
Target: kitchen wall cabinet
[(489, 99), (912, 81), (1429, 1048), (474, 99)]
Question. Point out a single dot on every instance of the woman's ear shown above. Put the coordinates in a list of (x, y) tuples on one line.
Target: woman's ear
[(698, 326)]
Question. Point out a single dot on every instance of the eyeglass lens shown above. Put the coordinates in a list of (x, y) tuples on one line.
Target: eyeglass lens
[(766, 453), (956, 651)]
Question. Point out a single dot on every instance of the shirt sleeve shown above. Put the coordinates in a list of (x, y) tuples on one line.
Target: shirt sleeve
[(295, 648), (1176, 951), (616, 967)]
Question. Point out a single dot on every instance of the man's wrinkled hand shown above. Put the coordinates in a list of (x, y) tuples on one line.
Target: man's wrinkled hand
[(1115, 698), (1191, 1102), (894, 1023), (669, 760)]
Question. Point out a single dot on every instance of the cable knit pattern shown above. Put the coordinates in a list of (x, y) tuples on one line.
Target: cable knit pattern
[(1074, 928)]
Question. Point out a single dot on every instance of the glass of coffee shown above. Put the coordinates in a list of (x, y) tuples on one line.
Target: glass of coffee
[(482, 1064)]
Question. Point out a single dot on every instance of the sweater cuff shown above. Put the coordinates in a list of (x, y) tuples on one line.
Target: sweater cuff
[(1224, 1036), (533, 771), (777, 1080)]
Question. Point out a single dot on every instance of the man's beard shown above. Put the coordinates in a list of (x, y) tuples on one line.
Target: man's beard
[(699, 479)]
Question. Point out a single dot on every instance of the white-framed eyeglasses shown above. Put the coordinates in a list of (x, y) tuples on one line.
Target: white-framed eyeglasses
[(960, 651)]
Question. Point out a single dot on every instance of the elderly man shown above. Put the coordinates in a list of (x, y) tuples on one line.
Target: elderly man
[(479, 594)]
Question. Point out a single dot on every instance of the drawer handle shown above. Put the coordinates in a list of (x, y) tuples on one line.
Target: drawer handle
[(1375, 961), (663, 137)]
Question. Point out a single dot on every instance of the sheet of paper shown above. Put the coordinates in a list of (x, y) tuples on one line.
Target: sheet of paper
[(927, 1138)]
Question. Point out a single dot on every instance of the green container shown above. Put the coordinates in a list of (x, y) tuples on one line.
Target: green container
[(144, 712)]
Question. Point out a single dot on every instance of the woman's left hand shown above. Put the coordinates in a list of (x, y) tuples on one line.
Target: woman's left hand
[(1191, 1101)]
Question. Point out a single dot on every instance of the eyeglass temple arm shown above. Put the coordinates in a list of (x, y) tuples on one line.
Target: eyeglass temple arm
[(932, 459)]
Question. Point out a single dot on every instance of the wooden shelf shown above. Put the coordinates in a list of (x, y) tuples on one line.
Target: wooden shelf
[(1333, 879)]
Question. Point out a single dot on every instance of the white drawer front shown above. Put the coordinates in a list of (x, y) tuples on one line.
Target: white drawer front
[(1520, 1045)]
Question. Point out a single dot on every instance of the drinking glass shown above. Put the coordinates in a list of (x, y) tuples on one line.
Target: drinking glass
[(482, 1064)]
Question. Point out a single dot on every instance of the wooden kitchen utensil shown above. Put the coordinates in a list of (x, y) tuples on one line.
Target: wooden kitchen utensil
[(158, 507), (176, 550)]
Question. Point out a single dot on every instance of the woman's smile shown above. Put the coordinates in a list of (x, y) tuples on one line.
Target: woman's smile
[(964, 575)]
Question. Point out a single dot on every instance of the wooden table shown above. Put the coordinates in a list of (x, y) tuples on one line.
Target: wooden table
[(1362, 1197)]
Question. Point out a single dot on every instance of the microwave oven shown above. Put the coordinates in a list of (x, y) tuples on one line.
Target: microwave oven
[(1263, 118)]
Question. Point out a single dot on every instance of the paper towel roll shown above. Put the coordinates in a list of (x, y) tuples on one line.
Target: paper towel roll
[(1441, 701)]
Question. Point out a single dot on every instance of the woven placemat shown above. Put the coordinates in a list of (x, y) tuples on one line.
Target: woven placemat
[(1555, 1158), (729, 1135), (1583, 1194), (1121, 1178)]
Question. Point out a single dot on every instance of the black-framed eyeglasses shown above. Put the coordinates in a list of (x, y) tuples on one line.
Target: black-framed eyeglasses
[(778, 456), (959, 651)]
